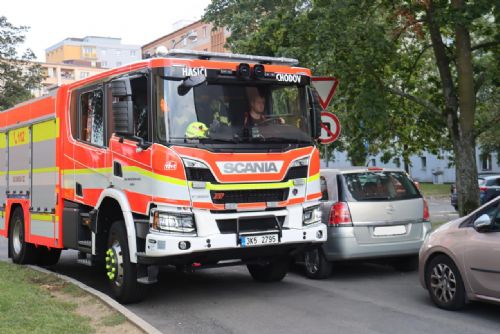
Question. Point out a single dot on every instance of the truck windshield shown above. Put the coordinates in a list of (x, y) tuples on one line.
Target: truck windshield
[(212, 113)]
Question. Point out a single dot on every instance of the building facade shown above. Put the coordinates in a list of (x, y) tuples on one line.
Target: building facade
[(426, 167), (94, 51), (59, 74), (198, 36)]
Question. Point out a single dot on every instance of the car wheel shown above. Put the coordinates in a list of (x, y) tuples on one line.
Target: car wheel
[(406, 264), (316, 264), (273, 271), (122, 273), (48, 257), (21, 251), (444, 283)]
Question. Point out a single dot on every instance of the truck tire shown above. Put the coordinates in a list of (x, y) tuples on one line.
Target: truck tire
[(20, 251), (273, 271), (48, 257), (121, 273), (444, 283), (316, 265)]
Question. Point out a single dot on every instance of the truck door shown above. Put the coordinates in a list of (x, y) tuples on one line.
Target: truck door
[(91, 158), (129, 119), (3, 180)]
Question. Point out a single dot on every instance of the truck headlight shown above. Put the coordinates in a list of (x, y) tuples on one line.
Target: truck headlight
[(312, 215), (173, 222)]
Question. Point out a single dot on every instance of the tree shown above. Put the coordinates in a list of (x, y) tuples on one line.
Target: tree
[(407, 69), (18, 74)]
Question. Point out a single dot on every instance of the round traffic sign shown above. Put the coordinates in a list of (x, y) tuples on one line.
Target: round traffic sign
[(330, 128)]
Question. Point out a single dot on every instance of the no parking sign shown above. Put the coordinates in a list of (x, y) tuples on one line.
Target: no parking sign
[(330, 128)]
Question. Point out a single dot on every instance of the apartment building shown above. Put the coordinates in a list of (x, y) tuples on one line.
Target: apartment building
[(94, 51), (197, 35)]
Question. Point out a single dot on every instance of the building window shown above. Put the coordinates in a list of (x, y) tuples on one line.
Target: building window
[(117, 52), (84, 75), (374, 162), (486, 161), (423, 161), (205, 33), (104, 64), (132, 53)]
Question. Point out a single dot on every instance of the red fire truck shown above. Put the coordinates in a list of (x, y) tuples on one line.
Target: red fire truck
[(193, 159)]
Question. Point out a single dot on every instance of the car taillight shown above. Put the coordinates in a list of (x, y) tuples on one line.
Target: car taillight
[(340, 215), (483, 188), (427, 216)]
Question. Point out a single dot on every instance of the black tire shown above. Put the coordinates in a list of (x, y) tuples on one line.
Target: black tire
[(20, 251), (406, 264), (316, 266), (48, 257), (123, 280), (273, 271), (442, 277)]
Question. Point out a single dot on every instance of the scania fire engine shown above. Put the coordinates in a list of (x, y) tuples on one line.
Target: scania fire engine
[(166, 161)]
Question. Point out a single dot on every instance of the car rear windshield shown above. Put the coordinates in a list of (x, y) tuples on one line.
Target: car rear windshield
[(379, 186)]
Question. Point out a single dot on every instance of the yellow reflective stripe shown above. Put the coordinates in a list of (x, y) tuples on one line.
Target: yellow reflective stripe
[(313, 178), (3, 140), (46, 217), (162, 178), (247, 186), (36, 170), (46, 130), (89, 171), (19, 136)]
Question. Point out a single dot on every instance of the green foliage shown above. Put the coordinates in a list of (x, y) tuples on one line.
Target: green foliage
[(18, 74), (390, 93)]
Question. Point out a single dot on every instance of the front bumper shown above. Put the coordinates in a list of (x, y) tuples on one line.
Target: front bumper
[(165, 249)]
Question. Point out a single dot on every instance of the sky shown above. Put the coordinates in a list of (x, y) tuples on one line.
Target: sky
[(136, 22)]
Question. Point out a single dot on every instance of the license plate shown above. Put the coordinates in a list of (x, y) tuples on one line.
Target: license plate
[(257, 240), (389, 230)]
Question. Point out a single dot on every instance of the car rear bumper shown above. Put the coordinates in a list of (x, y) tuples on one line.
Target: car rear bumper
[(343, 245)]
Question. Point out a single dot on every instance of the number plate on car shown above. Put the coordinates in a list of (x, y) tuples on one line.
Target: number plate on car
[(389, 230), (257, 240)]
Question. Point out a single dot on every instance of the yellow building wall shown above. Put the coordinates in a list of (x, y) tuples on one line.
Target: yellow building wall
[(65, 52)]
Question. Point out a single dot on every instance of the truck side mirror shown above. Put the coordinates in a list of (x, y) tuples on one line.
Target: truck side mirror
[(123, 110), (189, 83), (315, 113)]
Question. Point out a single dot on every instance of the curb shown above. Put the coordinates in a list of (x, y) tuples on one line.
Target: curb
[(132, 317)]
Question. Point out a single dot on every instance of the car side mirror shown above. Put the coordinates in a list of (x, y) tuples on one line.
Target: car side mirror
[(315, 115), (482, 223), (189, 83), (122, 106)]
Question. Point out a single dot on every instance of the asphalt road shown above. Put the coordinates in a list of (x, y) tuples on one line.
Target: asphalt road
[(441, 210), (357, 298)]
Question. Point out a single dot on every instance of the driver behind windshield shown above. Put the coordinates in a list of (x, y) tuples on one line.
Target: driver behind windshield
[(257, 103)]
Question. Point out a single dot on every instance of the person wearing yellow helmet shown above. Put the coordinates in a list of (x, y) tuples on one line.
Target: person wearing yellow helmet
[(196, 130)]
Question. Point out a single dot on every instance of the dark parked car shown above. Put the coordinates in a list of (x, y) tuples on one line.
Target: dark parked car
[(489, 188)]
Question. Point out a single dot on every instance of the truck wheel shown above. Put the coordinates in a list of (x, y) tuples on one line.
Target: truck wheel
[(444, 283), (406, 264), (48, 257), (21, 251), (122, 273), (273, 271), (316, 264)]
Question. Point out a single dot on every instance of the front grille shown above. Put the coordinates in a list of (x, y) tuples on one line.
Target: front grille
[(249, 196), (299, 172), (258, 224), (200, 174)]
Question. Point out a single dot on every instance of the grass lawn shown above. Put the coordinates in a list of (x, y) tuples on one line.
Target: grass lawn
[(429, 189), (25, 307)]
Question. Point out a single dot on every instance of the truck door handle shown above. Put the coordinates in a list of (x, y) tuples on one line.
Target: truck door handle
[(79, 190)]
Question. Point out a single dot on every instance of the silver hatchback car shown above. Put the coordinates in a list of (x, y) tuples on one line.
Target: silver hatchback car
[(460, 261), (371, 213)]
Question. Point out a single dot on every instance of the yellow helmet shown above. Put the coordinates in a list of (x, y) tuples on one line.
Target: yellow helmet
[(196, 130)]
